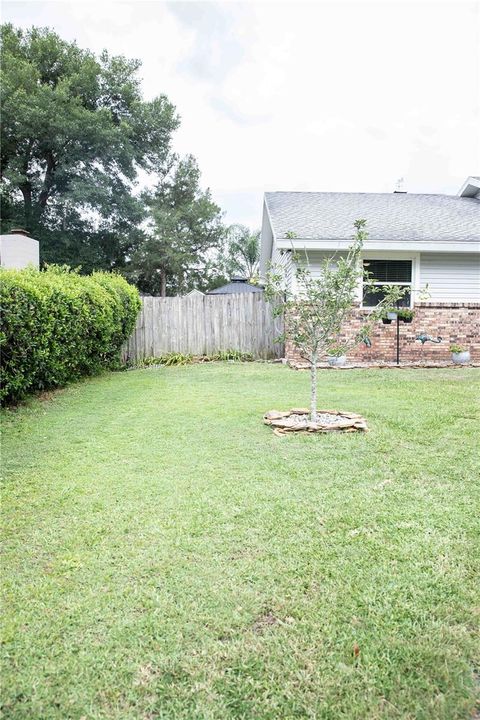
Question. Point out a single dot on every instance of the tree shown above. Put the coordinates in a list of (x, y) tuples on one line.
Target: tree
[(243, 251), (75, 133), (184, 227), (316, 315)]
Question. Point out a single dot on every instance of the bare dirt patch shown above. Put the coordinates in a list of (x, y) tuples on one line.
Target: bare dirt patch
[(265, 621)]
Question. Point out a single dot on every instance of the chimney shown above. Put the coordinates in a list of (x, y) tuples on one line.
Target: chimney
[(400, 186)]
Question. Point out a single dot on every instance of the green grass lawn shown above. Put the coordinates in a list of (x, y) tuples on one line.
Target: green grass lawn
[(167, 556)]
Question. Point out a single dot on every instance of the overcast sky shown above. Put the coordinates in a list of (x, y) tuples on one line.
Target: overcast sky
[(340, 96)]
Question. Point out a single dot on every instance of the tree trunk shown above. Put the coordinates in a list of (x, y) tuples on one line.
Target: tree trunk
[(313, 387), (163, 282), (48, 180), (26, 189)]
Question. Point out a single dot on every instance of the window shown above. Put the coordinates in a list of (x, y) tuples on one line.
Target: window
[(387, 272)]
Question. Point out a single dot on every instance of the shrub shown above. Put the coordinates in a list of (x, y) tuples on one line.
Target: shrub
[(458, 349), (178, 358), (57, 326)]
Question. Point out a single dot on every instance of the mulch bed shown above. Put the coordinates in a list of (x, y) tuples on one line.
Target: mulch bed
[(298, 420)]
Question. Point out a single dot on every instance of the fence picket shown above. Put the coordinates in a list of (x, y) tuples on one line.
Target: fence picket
[(203, 325)]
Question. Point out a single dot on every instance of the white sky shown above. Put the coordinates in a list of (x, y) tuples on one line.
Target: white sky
[(325, 96)]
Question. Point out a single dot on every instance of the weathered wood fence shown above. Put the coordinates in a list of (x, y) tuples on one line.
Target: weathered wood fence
[(203, 325)]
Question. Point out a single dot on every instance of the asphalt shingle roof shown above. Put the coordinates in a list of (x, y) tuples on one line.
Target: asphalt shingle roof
[(235, 287), (389, 216)]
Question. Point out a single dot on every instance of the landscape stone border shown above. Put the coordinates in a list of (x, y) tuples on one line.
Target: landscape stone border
[(447, 364), (297, 420)]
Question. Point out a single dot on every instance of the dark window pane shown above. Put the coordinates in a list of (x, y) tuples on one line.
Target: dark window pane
[(372, 296), (389, 270)]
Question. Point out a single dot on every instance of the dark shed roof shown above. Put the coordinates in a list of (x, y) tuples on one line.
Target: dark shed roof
[(236, 285)]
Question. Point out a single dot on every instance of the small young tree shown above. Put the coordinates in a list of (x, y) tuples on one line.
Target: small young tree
[(316, 311)]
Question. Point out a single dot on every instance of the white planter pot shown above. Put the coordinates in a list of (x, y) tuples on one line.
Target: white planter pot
[(337, 360), (461, 358)]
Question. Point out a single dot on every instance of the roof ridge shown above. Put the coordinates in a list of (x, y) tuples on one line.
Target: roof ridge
[(354, 192)]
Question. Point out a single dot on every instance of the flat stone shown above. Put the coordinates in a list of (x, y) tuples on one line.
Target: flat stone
[(297, 420), (275, 414)]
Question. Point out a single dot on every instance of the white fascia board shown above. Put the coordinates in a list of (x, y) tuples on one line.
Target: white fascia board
[(470, 188), (380, 245), (267, 240)]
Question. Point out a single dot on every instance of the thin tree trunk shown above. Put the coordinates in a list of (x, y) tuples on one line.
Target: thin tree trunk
[(48, 180), (163, 282), (313, 387)]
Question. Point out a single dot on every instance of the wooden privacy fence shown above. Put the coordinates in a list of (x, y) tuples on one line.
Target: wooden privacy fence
[(203, 325)]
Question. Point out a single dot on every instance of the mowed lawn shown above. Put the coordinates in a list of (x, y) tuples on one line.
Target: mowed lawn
[(167, 556)]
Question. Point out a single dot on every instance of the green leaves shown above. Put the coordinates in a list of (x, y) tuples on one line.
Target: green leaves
[(75, 132), (185, 225), (318, 309), (58, 325)]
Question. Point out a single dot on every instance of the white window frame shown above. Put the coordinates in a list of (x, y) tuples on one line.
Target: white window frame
[(394, 255)]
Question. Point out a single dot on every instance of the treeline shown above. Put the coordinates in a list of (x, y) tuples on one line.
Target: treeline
[(76, 135)]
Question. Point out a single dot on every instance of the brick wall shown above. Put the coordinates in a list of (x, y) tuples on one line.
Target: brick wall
[(454, 322)]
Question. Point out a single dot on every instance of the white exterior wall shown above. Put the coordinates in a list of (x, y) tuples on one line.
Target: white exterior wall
[(18, 251), (282, 261), (451, 277)]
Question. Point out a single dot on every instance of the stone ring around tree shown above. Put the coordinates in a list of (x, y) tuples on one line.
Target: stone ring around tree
[(298, 420)]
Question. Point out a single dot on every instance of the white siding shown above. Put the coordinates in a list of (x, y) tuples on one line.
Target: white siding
[(282, 261), (316, 258), (451, 277)]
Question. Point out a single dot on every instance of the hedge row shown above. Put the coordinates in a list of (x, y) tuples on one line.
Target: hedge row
[(57, 326)]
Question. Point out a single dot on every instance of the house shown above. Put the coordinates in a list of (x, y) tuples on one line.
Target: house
[(18, 250), (236, 285), (416, 240), (195, 293)]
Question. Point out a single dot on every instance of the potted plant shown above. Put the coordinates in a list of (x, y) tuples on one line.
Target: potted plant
[(336, 356), (405, 314), (387, 317), (460, 354)]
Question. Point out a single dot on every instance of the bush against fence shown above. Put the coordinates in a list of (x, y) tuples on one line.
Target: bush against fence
[(57, 326)]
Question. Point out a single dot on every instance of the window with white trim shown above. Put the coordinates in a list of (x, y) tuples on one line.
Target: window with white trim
[(387, 272)]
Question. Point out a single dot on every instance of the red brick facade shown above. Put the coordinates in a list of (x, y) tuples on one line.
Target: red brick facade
[(454, 322)]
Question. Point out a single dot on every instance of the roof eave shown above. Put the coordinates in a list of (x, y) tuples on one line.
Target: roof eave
[(380, 244)]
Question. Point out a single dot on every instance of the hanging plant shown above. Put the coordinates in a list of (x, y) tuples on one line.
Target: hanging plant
[(405, 314)]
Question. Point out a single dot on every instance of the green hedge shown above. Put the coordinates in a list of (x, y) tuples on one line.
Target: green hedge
[(57, 326)]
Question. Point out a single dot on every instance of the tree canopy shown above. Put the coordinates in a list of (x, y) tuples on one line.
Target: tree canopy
[(185, 228), (75, 133), (243, 252)]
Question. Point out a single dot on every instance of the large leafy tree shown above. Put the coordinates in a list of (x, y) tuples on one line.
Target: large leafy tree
[(75, 133), (184, 230)]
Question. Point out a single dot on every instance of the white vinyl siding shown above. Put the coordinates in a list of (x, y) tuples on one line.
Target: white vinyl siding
[(316, 258), (282, 261), (451, 277)]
